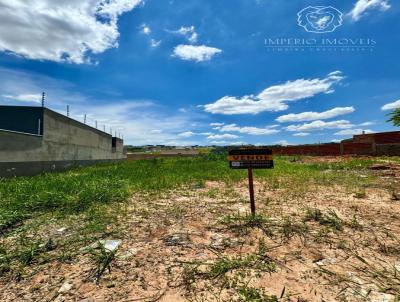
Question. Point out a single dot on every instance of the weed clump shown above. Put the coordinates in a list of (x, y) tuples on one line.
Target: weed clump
[(251, 294), (243, 223), (103, 259), (330, 219), (232, 273)]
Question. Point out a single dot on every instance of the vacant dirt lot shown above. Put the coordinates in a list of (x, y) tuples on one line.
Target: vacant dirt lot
[(309, 242)]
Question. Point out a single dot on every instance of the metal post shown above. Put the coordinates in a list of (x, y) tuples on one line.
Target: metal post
[(43, 97), (68, 110), (104, 128), (84, 119), (39, 127), (96, 124), (251, 191)]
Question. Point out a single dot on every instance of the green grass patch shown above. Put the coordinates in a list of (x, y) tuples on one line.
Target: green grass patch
[(78, 190)]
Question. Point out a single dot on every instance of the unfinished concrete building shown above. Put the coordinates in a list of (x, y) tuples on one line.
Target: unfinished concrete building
[(36, 139)]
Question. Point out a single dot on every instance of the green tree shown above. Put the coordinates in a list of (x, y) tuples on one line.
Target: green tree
[(395, 117)]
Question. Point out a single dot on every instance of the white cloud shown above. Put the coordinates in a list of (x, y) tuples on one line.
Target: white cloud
[(282, 143), (312, 116), (302, 134), (217, 124), (186, 134), (362, 6), (189, 32), (154, 43), (61, 31), (367, 124), (198, 53), (146, 29), (227, 143), (319, 125), (222, 136), (353, 132), (391, 106), (249, 130), (30, 98), (275, 98), (156, 131), (193, 38)]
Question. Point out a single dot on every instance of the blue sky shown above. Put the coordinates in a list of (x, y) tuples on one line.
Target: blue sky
[(184, 72)]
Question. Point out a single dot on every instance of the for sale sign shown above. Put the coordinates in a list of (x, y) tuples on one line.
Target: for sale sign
[(251, 158)]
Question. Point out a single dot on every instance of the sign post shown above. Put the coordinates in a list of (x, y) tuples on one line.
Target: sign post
[(251, 191), (251, 158)]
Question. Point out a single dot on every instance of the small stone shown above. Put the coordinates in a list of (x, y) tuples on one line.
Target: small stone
[(316, 256), (381, 297), (66, 287), (397, 266), (326, 261), (61, 230), (220, 242), (177, 239), (128, 254), (203, 268)]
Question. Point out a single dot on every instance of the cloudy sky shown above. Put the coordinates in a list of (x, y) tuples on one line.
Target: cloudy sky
[(184, 72)]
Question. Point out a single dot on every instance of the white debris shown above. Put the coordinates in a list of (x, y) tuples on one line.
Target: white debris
[(108, 245), (66, 287), (61, 230), (111, 245)]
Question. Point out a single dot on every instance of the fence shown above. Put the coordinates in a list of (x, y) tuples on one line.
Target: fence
[(386, 143)]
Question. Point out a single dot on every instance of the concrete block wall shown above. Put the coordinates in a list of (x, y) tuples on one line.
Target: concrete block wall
[(67, 139), (118, 146), (64, 143), (63, 139)]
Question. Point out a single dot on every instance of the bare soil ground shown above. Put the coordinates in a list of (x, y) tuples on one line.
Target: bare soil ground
[(198, 244)]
